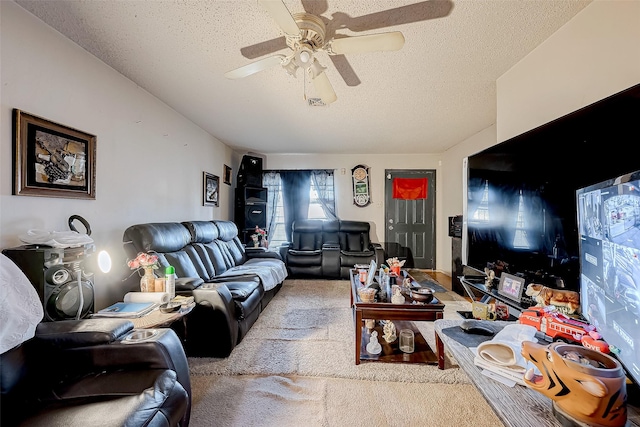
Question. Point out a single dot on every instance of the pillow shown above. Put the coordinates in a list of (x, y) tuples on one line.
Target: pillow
[(20, 307)]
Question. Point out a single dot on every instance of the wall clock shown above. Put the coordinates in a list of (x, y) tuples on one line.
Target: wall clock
[(360, 177)]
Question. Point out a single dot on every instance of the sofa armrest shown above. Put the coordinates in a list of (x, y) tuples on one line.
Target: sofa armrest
[(187, 284), (80, 333), (331, 260), (212, 322), (161, 351), (379, 251), (283, 250), (262, 253)]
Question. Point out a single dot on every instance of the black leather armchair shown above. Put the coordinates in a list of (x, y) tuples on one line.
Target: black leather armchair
[(356, 246), (96, 372), (328, 249)]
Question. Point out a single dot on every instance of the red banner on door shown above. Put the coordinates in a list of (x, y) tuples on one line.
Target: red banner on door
[(410, 188)]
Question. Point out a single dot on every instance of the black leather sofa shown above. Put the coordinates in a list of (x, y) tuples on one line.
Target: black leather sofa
[(231, 284), (93, 372), (329, 248)]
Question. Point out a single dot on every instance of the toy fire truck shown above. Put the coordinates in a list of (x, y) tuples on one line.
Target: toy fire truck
[(557, 326)]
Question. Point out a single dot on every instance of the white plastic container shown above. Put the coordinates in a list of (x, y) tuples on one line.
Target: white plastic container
[(170, 281)]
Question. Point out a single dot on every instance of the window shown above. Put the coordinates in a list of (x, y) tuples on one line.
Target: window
[(482, 213), (321, 195), (520, 240)]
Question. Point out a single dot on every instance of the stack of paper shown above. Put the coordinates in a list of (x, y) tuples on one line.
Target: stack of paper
[(506, 373), (127, 309), (502, 357)]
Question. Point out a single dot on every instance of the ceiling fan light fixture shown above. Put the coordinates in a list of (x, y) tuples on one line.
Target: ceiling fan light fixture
[(290, 67), (315, 69), (304, 56)]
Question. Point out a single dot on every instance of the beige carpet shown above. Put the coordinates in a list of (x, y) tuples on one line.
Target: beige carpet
[(296, 367)]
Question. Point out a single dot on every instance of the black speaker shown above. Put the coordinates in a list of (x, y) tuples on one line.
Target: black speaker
[(64, 287), (456, 265), (250, 172), (250, 208), (255, 214)]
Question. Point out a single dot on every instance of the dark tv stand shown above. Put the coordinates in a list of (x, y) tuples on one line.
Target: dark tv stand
[(477, 290)]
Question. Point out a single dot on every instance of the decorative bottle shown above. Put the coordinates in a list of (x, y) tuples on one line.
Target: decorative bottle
[(148, 281), (170, 281)]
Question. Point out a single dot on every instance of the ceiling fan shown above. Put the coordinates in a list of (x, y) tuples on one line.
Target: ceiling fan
[(305, 35)]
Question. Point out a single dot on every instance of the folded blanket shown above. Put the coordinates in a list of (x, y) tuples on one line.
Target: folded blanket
[(504, 349), (270, 277)]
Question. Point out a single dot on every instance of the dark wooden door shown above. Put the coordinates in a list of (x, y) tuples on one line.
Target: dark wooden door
[(410, 224)]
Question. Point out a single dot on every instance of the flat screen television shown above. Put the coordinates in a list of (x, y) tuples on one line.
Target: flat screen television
[(609, 228), (519, 203), (522, 221)]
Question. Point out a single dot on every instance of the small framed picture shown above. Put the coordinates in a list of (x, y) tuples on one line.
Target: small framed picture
[(52, 160), (227, 175), (511, 286), (210, 188)]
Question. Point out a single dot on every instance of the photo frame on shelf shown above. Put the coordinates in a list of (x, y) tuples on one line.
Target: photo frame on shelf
[(226, 177), (210, 189), (52, 160), (511, 286)]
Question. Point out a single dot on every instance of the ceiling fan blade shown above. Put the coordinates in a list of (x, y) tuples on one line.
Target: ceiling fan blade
[(369, 43), (315, 7), (281, 15), (264, 48), (421, 11), (255, 67), (345, 69), (324, 88)]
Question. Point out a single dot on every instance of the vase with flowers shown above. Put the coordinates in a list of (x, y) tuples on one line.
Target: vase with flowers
[(147, 262), (259, 237), (395, 265)]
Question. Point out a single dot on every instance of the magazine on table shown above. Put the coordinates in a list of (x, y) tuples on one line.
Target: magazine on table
[(127, 309)]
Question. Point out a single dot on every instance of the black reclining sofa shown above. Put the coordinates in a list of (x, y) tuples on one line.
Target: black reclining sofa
[(231, 284), (96, 372), (329, 248)]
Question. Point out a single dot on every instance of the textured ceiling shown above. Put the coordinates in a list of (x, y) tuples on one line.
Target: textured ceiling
[(438, 90)]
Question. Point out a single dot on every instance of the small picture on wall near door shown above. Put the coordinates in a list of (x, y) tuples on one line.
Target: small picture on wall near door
[(210, 189), (227, 175)]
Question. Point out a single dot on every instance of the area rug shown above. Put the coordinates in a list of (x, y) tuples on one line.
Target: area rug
[(292, 401), (296, 366), (307, 330)]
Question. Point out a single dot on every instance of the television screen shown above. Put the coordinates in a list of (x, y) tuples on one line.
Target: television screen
[(524, 222), (519, 203), (609, 228)]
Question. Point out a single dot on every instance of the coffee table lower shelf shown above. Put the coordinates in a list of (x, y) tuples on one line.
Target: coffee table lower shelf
[(391, 352)]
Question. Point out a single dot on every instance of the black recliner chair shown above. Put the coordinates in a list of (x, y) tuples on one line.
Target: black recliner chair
[(88, 372), (96, 372)]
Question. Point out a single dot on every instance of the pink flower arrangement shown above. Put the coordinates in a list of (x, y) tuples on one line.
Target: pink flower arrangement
[(259, 232), (143, 260), (394, 262)]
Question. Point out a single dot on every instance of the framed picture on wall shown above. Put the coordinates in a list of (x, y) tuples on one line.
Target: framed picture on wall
[(52, 160), (227, 175), (210, 189)]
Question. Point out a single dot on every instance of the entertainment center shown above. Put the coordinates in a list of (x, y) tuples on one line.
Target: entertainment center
[(560, 206)]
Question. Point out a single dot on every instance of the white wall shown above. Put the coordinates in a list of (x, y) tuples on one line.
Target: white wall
[(150, 159), (593, 56)]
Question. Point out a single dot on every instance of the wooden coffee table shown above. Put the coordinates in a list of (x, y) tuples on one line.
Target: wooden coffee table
[(402, 315)]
